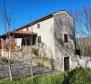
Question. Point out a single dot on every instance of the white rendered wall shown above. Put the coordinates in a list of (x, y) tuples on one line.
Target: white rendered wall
[(46, 31)]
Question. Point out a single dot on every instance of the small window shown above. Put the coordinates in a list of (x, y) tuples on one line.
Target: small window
[(61, 23), (39, 39), (65, 38), (78, 52), (38, 25)]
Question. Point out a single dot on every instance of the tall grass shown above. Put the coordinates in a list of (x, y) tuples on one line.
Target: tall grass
[(76, 76), (47, 79)]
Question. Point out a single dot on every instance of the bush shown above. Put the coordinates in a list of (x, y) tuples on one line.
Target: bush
[(80, 76), (35, 51), (3, 59), (40, 65), (44, 58)]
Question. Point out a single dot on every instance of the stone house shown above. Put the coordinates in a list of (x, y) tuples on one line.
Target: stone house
[(53, 34)]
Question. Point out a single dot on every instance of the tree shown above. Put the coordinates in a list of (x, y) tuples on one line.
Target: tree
[(82, 20), (6, 17)]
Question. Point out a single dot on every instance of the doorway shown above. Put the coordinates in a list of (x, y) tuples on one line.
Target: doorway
[(66, 63)]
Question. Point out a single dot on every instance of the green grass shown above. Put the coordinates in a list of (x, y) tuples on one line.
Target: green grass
[(48, 79), (76, 76), (21, 81)]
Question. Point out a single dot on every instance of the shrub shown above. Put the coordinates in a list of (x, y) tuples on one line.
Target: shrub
[(40, 65), (44, 58), (3, 59), (80, 76), (35, 51)]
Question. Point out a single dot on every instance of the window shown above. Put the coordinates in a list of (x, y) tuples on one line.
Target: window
[(39, 39), (26, 42), (65, 38), (77, 52), (61, 23), (38, 25)]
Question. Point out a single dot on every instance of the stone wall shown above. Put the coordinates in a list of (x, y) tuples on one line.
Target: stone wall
[(63, 24), (18, 54), (21, 69), (23, 53)]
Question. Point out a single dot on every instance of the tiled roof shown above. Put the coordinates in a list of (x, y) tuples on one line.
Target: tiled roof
[(24, 32), (19, 33)]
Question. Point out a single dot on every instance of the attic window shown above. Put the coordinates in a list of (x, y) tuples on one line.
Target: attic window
[(38, 25), (65, 38)]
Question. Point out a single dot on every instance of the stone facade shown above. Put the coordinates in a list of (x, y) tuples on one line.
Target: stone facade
[(63, 24)]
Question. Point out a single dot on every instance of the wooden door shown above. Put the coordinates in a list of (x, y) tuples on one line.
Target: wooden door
[(66, 63)]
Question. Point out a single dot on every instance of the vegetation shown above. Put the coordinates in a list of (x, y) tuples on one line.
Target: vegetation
[(35, 51), (44, 58), (40, 65), (3, 59), (76, 76), (48, 79), (79, 76), (85, 50)]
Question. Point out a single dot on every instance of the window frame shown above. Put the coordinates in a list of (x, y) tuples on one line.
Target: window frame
[(66, 38), (38, 25), (39, 39)]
